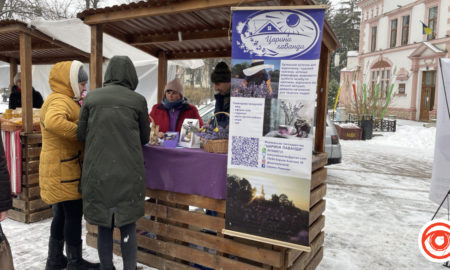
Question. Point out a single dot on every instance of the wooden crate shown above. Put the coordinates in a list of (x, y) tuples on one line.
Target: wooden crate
[(172, 237), (28, 206)]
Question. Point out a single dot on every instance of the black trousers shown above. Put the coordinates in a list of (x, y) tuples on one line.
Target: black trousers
[(128, 246), (66, 223)]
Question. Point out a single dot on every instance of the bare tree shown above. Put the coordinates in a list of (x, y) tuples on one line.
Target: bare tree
[(92, 3), (31, 9)]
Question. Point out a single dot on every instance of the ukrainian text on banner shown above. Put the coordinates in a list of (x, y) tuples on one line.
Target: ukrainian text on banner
[(440, 181), (275, 61)]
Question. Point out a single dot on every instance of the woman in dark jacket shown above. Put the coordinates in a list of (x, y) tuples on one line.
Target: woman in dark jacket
[(174, 108), (5, 198), (114, 124), (15, 99), (5, 185)]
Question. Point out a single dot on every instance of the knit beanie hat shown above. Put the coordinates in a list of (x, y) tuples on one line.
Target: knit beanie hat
[(82, 75), (175, 85), (221, 73)]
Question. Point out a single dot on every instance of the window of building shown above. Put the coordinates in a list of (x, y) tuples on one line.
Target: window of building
[(393, 33), (381, 74), (401, 88), (405, 29), (373, 43), (432, 22)]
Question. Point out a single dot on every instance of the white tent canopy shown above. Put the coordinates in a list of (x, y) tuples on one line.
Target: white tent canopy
[(77, 34)]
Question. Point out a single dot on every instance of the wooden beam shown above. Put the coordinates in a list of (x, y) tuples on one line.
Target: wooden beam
[(174, 37), (200, 54), (96, 56), (21, 28), (12, 71), (322, 99), (329, 39), (27, 94), (12, 28), (5, 58), (164, 9), (162, 74), (35, 47), (54, 60)]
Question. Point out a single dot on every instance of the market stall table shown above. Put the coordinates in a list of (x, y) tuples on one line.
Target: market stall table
[(172, 236), (175, 238), (184, 170)]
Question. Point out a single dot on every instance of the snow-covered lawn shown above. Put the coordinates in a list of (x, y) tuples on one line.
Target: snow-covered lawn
[(377, 201)]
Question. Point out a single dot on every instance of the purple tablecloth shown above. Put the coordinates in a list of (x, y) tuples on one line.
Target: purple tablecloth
[(184, 170)]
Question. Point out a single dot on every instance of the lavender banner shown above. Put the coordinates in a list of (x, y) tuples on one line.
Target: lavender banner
[(275, 61)]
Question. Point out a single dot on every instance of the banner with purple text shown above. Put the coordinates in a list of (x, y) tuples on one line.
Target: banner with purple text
[(275, 63)]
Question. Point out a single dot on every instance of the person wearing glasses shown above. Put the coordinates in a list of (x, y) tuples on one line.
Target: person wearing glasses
[(174, 108)]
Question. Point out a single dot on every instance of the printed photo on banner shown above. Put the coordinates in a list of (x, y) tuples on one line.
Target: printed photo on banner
[(290, 119), (268, 205), (255, 78)]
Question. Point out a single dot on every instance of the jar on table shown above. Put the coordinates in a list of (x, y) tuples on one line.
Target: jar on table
[(7, 114)]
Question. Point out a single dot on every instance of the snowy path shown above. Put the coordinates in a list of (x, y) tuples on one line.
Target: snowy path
[(29, 245), (377, 201)]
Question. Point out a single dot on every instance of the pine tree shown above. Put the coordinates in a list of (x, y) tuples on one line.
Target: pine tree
[(345, 24), (329, 11)]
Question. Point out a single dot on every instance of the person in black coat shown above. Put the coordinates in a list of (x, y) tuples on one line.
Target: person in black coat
[(5, 185), (15, 99), (221, 78), (5, 205)]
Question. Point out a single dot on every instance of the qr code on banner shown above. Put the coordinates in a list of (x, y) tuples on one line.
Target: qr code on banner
[(244, 151)]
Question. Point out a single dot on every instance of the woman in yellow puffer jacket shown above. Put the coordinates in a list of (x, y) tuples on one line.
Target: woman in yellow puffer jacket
[(60, 165)]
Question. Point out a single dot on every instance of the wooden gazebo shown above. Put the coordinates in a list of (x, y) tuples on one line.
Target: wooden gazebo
[(24, 45), (188, 29)]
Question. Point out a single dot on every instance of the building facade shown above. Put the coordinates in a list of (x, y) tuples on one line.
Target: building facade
[(393, 48)]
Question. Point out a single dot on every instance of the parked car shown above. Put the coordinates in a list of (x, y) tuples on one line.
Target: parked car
[(207, 111), (332, 144)]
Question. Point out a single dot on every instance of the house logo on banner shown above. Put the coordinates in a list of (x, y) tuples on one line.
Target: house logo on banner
[(278, 33), (275, 63)]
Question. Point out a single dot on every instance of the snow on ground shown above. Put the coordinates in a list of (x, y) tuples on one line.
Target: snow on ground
[(29, 245), (377, 201)]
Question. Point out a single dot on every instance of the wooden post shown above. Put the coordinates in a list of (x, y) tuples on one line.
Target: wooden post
[(322, 99), (27, 94), (95, 67), (12, 72), (162, 74)]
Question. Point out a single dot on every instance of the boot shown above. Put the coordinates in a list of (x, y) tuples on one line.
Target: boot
[(113, 268), (56, 259), (76, 261)]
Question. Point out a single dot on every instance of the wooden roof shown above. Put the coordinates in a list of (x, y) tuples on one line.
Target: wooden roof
[(45, 49), (181, 28)]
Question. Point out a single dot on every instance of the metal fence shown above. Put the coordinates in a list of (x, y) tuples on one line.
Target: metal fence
[(381, 125)]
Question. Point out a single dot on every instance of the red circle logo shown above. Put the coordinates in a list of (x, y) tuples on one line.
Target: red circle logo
[(434, 241)]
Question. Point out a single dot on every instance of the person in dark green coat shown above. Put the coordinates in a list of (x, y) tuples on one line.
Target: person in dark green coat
[(114, 125)]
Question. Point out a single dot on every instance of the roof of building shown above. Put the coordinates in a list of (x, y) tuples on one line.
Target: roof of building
[(44, 49), (183, 29)]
